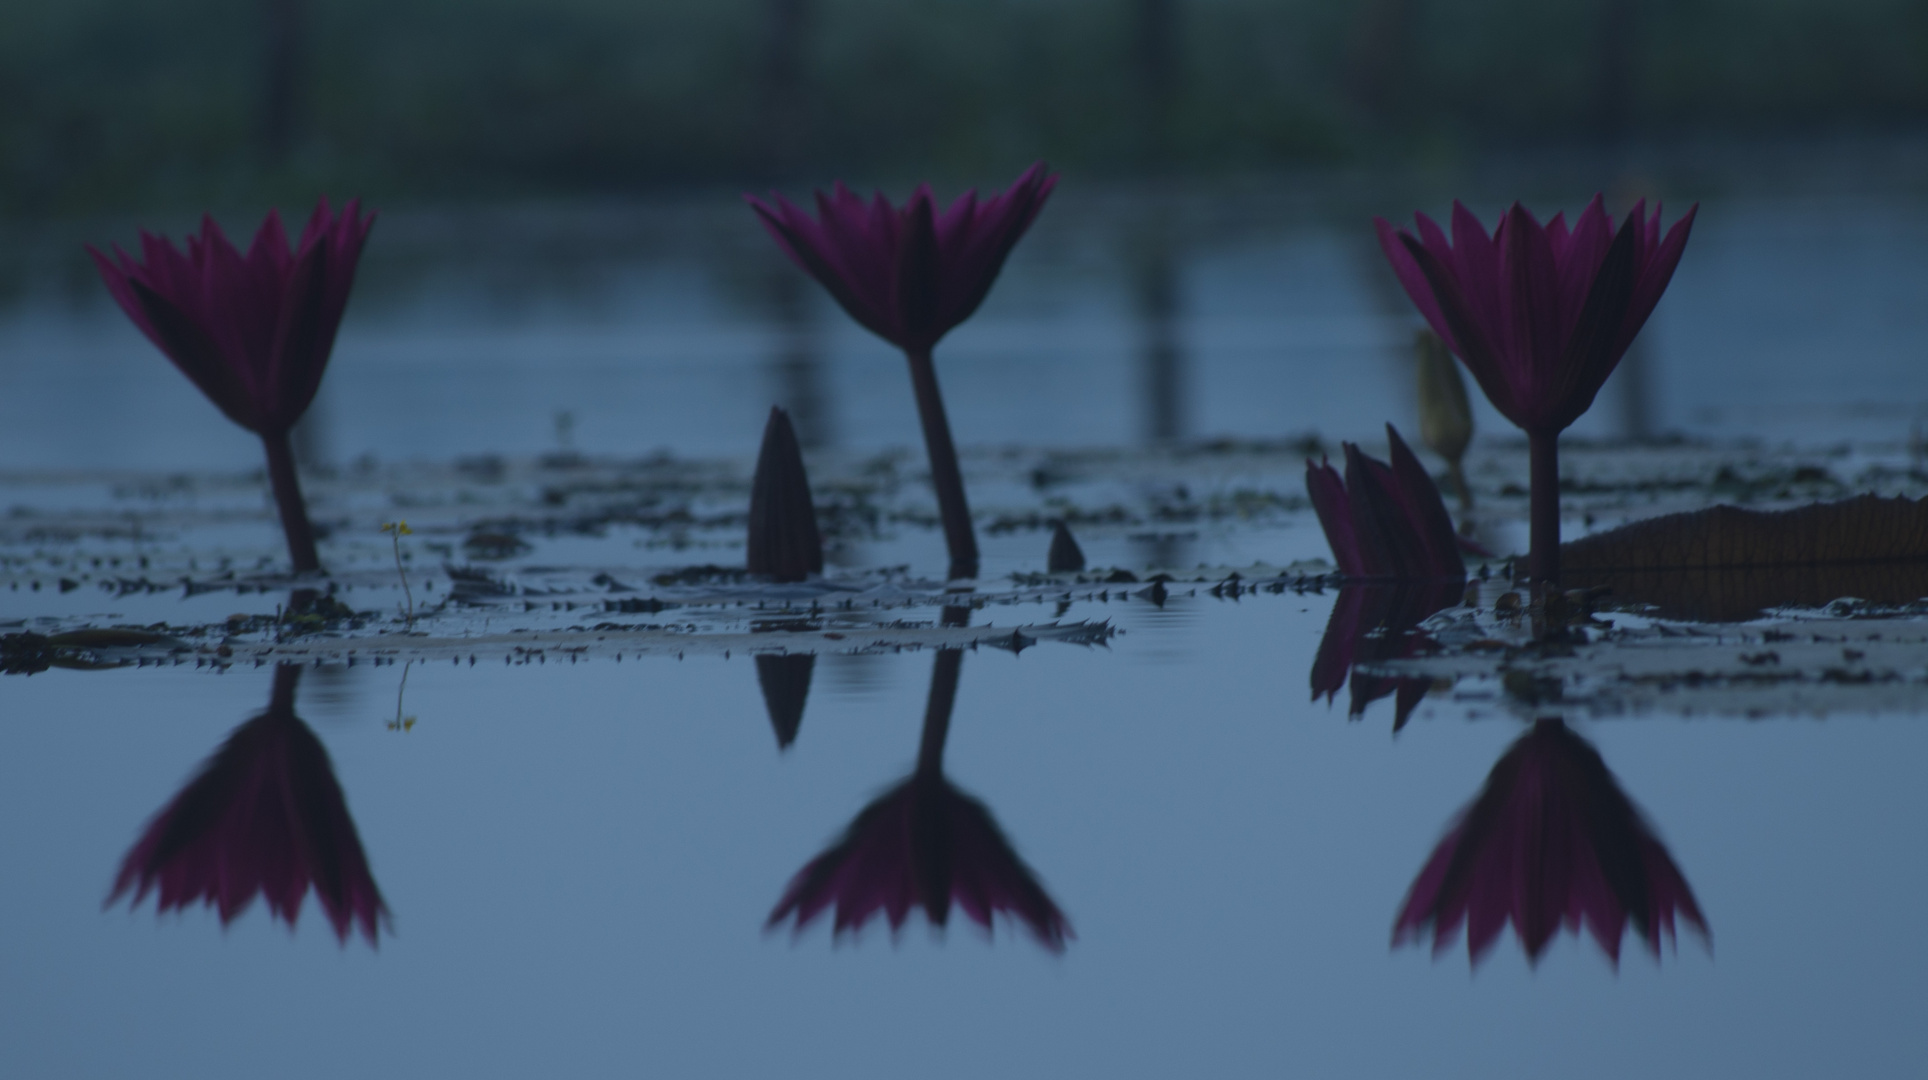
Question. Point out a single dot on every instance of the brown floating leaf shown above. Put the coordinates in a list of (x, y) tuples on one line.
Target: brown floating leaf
[(1725, 564), (1864, 529), (783, 542)]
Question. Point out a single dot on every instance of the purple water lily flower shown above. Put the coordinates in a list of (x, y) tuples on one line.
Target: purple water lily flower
[(264, 816), (909, 275), (924, 844), (1540, 314), (1384, 521), (1550, 841), (252, 331)]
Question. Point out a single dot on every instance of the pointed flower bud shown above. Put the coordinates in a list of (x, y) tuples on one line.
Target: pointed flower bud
[(783, 542), (1066, 556), (785, 681)]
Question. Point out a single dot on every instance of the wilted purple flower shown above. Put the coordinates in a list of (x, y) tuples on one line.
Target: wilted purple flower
[(265, 815), (1551, 840), (1372, 622), (909, 275), (1540, 315), (924, 844), (1384, 521), (252, 331)]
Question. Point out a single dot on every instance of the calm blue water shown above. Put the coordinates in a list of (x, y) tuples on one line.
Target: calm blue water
[(579, 861)]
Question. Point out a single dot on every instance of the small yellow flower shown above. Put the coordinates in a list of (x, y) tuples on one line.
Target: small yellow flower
[(397, 528)]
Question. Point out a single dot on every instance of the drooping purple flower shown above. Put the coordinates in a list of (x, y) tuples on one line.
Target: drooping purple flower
[(907, 274), (1378, 621), (1384, 521), (922, 844), (252, 331), (265, 816), (1541, 315), (1551, 841)]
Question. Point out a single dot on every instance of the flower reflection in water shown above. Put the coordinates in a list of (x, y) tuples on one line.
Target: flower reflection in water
[(924, 843), (1551, 840), (265, 815), (1378, 622)]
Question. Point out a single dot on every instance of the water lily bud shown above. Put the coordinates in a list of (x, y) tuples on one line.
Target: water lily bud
[(1445, 419), (1065, 555), (785, 681), (783, 542)]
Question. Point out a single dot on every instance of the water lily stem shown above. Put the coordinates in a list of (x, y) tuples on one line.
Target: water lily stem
[(945, 477), (287, 499), (937, 714), (1543, 562), (286, 677)]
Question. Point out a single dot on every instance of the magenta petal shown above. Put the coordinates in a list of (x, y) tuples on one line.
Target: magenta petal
[(1328, 495), (1412, 279)]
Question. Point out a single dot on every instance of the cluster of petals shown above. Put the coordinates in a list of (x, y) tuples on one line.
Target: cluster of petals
[(1550, 841), (265, 816), (922, 844), (1540, 314), (252, 331), (908, 274), (1384, 521)]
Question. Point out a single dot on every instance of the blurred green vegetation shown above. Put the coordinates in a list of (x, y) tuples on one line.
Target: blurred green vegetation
[(124, 104)]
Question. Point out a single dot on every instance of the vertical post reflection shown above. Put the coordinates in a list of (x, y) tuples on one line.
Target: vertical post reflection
[(781, 105), (1163, 368), (796, 367), (1635, 376)]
